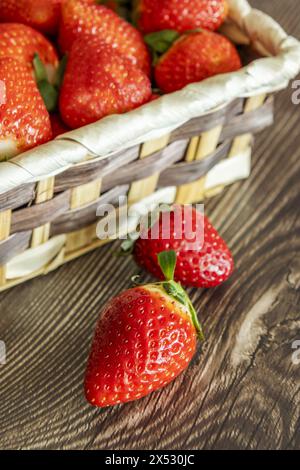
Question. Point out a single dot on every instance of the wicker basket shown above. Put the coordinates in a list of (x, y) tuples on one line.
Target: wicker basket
[(192, 143)]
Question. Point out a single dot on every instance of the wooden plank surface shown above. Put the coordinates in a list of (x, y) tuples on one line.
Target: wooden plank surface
[(242, 390)]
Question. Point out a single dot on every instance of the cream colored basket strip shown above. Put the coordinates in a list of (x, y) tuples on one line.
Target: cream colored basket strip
[(161, 117), (48, 256)]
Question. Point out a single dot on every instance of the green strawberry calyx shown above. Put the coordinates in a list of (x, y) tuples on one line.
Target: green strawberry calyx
[(167, 262), (49, 91), (160, 42)]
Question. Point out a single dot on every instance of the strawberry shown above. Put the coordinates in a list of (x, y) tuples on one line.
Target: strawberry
[(145, 337), (22, 42), (112, 4), (118, 6), (41, 15), (88, 17), (99, 82), (203, 258), (58, 127), (154, 97), (180, 15), (192, 58), (24, 120)]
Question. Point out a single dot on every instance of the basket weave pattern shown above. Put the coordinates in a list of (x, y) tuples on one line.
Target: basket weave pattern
[(66, 204)]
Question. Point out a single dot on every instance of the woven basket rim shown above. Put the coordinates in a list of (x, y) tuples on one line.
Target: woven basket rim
[(153, 120)]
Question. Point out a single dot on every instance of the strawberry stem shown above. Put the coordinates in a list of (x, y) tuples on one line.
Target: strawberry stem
[(167, 262)]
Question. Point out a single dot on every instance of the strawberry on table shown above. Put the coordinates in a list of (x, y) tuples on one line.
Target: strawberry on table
[(43, 15), (180, 15), (88, 17), (99, 82), (145, 337), (192, 58), (24, 120), (22, 42), (203, 258)]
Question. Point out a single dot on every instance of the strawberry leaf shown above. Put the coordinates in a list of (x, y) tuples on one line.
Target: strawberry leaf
[(49, 94), (59, 77), (161, 41), (167, 263), (177, 292), (39, 69)]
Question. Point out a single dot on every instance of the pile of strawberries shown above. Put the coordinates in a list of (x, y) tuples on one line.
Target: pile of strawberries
[(68, 63)]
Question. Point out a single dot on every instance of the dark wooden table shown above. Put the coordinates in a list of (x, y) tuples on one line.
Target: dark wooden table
[(242, 390)]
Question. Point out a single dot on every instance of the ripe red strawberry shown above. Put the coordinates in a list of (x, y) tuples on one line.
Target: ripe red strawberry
[(24, 120), (115, 5), (180, 15), (112, 4), (99, 82), (203, 258), (145, 337), (22, 42), (88, 17), (41, 15), (58, 127), (195, 57), (155, 96)]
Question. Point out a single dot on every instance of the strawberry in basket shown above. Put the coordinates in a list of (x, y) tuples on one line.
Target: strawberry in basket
[(203, 258), (37, 53), (191, 58), (43, 15), (180, 15), (89, 17), (57, 125), (99, 82), (22, 42), (24, 120), (119, 6), (145, 337)]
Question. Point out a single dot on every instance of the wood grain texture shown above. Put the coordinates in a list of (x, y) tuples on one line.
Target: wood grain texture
[(242, 389)]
